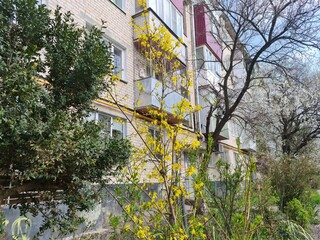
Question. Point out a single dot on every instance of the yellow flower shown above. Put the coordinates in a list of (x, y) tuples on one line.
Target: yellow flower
[(128, 208), (190, 171), (127, 227), (134, 219)]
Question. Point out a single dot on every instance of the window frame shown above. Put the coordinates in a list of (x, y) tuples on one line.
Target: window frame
[(155, 134), (115, 2), (122, 72), (188, 180), (94, 116)]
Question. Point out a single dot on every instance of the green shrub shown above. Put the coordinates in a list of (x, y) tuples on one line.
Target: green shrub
[(296, 212), (288, 230), (315, 198)]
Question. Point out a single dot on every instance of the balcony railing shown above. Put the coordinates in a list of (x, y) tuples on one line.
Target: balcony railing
[(153, 20), (150, 97)]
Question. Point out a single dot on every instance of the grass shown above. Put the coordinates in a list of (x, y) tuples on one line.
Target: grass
[(315, 198)]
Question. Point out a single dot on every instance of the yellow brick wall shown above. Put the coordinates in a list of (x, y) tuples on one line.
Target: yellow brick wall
[(118, 30)]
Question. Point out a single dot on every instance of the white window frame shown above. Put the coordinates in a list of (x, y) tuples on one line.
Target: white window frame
[(122, 72), (113, 122), (119, 3), (155, 134)]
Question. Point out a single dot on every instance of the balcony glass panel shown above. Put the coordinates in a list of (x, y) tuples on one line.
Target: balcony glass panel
[(151, 95), (154, 19)]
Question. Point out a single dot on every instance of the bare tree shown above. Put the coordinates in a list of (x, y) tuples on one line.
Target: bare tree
[(256, 33)]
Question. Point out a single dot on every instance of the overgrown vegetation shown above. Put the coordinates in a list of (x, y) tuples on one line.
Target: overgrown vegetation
[(50, 72)]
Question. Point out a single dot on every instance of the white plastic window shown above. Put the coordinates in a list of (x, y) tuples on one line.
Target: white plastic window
[(112, 126)]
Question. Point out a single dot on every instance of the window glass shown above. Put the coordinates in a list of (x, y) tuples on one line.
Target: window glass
[(218, 68), (119, 3), (117, 129), (153, 5), (214, 29), (179, 24), (112, 126), (173, 18), (169, 14), (155, 134), (106, 121), (117, 60), (210, 60), (160, 8), (138, 7), (166, 7)]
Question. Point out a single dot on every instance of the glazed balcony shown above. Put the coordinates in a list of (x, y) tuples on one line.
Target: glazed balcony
[(154, 20), (248, 143), (224, 134), (150, 97)]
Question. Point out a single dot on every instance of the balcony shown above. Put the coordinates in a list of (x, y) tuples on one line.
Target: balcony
[(224, 134), (153, 20), (151, 96), (247, 144), (207, 78)]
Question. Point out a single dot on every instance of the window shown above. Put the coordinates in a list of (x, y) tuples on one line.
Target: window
[(174, 18), (118, 61), (166, 6), (119, 3), (210, 60), (220, 188), (112, 126), (214, 29), (212, 63), (218, 68), (169, 14), (188, 179), (155, 134)]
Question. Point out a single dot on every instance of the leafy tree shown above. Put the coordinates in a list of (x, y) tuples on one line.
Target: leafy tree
[(50, 73), (290, 177)]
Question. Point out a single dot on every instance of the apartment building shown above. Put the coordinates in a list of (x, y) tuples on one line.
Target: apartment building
[(204, 34), (213, 35)]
